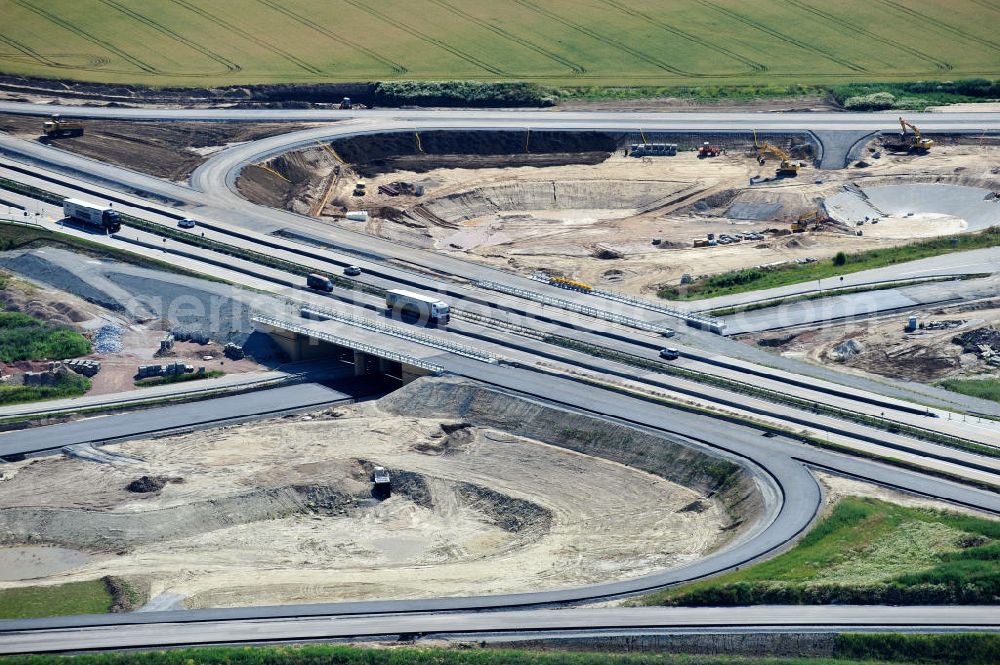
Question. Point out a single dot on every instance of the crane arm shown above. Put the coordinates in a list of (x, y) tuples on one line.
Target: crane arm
[(774, 150), (904, 124)]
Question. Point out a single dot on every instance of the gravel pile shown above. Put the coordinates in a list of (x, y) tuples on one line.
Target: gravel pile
[(108, 339)]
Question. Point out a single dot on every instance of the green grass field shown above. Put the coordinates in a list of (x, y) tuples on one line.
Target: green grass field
[(558, 42), (866, 552), (981, 388), (89, 597)]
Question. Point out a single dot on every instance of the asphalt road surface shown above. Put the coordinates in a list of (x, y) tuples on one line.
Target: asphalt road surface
[(547, 623), (177, 417)]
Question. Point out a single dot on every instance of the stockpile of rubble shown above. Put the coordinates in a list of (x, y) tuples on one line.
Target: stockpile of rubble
[(108, 339), (984, 342)]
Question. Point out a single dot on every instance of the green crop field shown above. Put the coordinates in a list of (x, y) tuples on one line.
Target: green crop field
[(557, 42)]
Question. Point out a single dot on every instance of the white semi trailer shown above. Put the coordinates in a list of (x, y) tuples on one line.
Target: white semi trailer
[(424, 308), (97, 216)]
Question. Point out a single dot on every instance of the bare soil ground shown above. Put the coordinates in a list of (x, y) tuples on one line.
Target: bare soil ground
[(170, 150), (141, 339), (281, 511), (619, 222), (882, 347)]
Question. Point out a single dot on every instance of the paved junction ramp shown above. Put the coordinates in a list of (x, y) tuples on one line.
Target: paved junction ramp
[(167, 418)]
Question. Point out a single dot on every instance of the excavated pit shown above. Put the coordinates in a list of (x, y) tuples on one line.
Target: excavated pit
[(492, 493)]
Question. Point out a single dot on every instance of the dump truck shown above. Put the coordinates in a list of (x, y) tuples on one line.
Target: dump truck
[(401, 303), (93, 215), (319, 282), (56, 127)]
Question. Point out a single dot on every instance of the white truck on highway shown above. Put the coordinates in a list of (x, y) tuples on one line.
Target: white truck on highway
[(406, 303), (97, 216)]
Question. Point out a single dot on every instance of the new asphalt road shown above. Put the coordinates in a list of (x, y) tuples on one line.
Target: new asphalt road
[(538, 623)]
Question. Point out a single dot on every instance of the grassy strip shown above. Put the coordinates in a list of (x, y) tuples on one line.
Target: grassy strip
[(831, 293), (981, 388), (701, 93), (770, 395), (960, 648), (13, 236), (177, 378), (754, 279), (24, 337), (870, 552), (853, 96), (898, 648), (91, 597), (133, 406)]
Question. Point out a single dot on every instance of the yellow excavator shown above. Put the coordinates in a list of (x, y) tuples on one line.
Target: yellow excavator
[(919, 143), (787, 166)]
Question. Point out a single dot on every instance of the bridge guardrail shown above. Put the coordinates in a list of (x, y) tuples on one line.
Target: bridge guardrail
[(347, 343), (693, 319), (312, 311), (587, 310)]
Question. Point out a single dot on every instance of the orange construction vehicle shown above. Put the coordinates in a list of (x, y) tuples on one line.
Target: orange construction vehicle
[(706, 149)]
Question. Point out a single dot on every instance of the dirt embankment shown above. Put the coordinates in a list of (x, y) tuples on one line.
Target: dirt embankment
[(711, 476), (170, 150), (284, 511)]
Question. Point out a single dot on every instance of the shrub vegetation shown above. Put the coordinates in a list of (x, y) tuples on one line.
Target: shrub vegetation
[(23, 337)]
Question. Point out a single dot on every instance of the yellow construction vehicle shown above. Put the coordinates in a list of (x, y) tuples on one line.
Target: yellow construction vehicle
[(919, 143), (570, 284), (787, 166), (56, 126)]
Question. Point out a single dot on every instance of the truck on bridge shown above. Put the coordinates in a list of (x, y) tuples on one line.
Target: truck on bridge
[(406, 303), (97, 216), (319, 282)]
